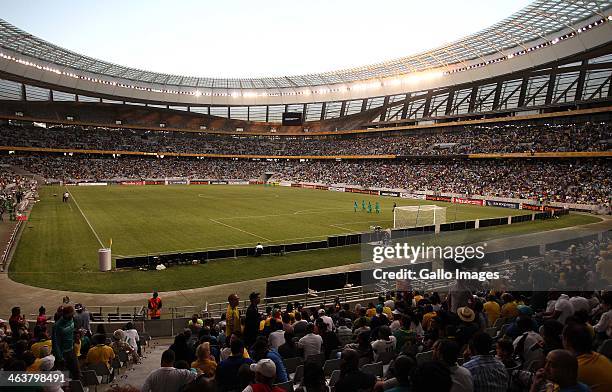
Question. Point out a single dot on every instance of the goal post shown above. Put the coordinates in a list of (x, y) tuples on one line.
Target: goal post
[(416, 216)]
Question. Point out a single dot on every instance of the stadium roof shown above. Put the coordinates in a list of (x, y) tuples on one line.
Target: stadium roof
[(534, 22)]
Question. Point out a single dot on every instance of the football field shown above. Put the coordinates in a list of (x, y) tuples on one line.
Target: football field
[(59, 243)]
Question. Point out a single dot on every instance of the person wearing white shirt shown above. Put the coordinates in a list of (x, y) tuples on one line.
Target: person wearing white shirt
[(604, 325), (131, 336), (385, 343), (277, 338), (311, 343), (167, 378), (580, 304), (327, 320), (447, 351)]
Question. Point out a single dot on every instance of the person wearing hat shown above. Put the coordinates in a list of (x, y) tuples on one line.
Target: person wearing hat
[(63, 342), (81, 317), (467, 327), (252, 319), (265, 374)]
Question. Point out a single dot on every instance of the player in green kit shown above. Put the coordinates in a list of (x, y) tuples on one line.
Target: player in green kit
[(369, 208), (377, 207), (363, 205), (355, 206)]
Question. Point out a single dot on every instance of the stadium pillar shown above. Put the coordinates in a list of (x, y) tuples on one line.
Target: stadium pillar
[(509, 220), (477, 223)]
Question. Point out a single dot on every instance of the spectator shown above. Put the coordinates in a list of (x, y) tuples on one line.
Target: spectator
[(277, 337), (181, 350), (344, 333), (488, 373), (17, 322), (167, 378), (561, 368), (492, 310), (41, 320), (432, 376), (100, 353), (81, 317), (265, 373), (594, 369), (63, 342), (351, 378), (314, 379), (262, 350), (385, 343), (205, 362), (447, 352), (251, 324), (232, 315), (310, 344), (288, 349), (227, 370), (604, 325)]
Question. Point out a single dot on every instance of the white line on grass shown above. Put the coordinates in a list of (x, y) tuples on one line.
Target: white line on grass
[(86, 220), (343, 228), (239, 229), (302, 212)]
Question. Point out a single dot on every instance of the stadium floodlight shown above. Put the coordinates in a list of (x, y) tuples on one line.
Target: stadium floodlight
[(417, 216)]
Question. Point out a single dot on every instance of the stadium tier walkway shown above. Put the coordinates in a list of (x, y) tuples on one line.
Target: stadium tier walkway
[(29, 298)]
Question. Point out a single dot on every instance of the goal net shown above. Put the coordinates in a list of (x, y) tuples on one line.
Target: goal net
[(416, 216)]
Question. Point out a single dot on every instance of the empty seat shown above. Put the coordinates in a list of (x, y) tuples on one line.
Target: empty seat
[(292, 363), (299, 374), (330, 366), (316, 358), (287, 386), (375, 369), (424, 357)]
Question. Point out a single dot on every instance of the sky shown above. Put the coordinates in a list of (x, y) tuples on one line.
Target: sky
[(242, 38)]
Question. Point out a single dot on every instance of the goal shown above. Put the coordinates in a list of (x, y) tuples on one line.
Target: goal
[(416, 216)]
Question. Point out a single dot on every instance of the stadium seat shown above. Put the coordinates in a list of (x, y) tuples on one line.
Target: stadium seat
[(316, 358), (299, 374), (292, 363), (424, 357), (606, 348), (335, 376), (90, 378), (330, 366), (287, 386), (375, 369)]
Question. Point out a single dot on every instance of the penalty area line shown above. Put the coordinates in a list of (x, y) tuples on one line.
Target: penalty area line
[(239, 229), (84, 217)]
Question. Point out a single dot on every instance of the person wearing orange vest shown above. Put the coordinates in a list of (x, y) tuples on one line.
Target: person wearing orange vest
[(155, 305)]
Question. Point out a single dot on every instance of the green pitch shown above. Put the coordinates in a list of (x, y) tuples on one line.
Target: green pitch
[(58, 247)]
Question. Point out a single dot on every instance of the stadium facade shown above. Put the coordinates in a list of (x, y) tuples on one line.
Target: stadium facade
[(548, 58)]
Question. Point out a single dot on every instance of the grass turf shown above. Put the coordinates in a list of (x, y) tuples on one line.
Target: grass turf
[(58, 248)]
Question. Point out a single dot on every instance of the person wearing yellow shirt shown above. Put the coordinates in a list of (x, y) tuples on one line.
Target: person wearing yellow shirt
[(371, 312), (42, 342), (204, 363), (428, 317), (594, 369), (100, 353), (232, 315), (492, 310), (510, 307)]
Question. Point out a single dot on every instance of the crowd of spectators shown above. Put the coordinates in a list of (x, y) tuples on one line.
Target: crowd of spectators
[(14, 190), (586, 181), (465, 340), (465, 140)]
